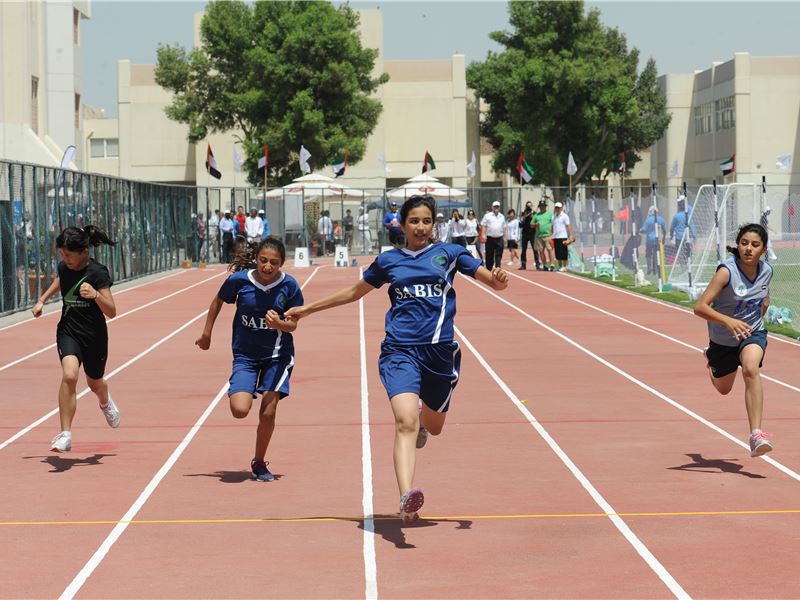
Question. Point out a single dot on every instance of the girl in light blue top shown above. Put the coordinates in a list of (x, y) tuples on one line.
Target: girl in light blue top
[(734, 304)]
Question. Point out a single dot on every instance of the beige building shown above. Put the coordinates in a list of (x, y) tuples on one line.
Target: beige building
[(748, 106), (40, 77), (426, 107)]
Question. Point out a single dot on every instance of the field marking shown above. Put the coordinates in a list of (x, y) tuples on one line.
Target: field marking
[(640, 326), (654, 564), (781, 467), (117, 318)]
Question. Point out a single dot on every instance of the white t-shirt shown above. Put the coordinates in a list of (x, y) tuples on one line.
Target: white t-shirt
[(560, 223), (495, 224), (458, 228), (253, 227), (363, 222), (471, 227), (512, 227), (442, 231), (325, 226)]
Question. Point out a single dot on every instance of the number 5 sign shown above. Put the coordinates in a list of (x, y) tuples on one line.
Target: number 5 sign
[(342, 258)]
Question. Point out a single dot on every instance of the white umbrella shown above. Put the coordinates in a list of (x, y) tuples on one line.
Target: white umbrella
[(314, 186), (426, 185)]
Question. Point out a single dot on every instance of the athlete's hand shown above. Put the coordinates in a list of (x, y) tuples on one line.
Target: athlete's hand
[(295, 313), (273, 318), (739, 329), (500, 278), (37, 309), (87, 291), (204, 342)]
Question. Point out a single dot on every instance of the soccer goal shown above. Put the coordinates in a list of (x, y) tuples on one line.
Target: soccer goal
[(713, 220)]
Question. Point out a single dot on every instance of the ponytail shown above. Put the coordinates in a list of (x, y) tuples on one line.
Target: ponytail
[(76, 239), (247, 256)]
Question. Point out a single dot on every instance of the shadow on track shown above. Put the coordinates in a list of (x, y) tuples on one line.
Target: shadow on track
[(715, 465), (62, 463), (230, 476)]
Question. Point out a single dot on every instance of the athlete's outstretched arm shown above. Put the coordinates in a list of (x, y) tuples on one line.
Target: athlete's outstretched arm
[(54, 287), (349, 294), (497, 278), (204, 341)]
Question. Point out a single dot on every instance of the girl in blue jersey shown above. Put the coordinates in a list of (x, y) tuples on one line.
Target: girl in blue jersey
[(81, 335), (734, 304), (263, 350), (420, 360)]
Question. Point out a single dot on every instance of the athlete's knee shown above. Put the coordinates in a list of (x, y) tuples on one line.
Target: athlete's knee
[(406, 424), (750, 371), (239, 412), (70, 378)]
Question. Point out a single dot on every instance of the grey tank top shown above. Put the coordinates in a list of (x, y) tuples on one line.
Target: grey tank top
[(741, 299)]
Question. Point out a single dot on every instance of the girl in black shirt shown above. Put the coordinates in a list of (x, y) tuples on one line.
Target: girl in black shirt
[(81, 336)]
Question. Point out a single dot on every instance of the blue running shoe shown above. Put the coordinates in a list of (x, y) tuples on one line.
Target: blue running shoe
[(260, 472)]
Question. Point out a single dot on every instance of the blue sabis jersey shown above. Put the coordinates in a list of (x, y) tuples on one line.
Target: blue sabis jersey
[(421, 291), (252, 337)]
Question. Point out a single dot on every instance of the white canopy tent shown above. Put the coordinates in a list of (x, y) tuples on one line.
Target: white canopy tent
[(424, 184)]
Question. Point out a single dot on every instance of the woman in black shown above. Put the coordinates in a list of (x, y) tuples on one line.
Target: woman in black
[(81, 336)]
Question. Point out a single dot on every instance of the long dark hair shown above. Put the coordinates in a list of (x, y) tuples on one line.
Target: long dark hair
[(414, 202), (76, 239), (749, 228), (247, 256)]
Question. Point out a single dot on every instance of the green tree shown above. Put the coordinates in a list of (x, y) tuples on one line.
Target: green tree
[(566, 83), (284, 73)]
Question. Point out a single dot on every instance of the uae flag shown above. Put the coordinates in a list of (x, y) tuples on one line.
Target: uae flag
[(263, 161), (211, 164), (729, 166), (524, 169), (340, 164), (619, 163), (427, 163)]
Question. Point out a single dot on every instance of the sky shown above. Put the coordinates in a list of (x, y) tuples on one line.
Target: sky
[(681, 36)]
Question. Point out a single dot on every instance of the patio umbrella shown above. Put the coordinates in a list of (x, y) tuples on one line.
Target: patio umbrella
[(313, 186), (426, 185)]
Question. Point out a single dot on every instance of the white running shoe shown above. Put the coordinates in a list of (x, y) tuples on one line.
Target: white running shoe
[(62, 442), (111, 413)]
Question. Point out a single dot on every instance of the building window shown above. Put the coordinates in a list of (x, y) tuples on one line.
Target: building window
[(77, 111), (76, 27), (35, 104), (104, 148), (725, 110), (702, 118)]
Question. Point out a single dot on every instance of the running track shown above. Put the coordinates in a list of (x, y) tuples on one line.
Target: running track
[(585, 456)]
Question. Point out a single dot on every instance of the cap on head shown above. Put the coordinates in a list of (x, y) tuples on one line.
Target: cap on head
[(394, 204), (439, 216), (558, 205), (495, 203), (261, 212), (542, 203)]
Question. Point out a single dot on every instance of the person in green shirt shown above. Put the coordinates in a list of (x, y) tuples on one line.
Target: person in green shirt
[(542, 222)]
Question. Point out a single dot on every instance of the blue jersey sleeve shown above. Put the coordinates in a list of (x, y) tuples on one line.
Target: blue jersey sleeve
[(229, 289), (296, 299), (375, 274), (467, 264)]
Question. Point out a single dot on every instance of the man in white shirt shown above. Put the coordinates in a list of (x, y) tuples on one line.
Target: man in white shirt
[(562, 236), (494, 224), (253, 227), (362, 222), (325, 233), (226, 229), (441, 230)]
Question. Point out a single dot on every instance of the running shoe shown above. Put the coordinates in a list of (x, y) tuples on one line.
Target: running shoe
[(260, 472), (111, 413), (62, 442), (422, 437), (759, 444), (410, 503)]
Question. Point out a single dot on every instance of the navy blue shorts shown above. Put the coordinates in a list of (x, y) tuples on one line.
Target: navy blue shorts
[(724, 360), (257, 377), (430, 371)]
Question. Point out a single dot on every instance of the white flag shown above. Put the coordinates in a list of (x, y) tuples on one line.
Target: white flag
[(304, 156), (784, 162), (471, 166), (673, 172), (382, 160), (238, 161), (572, 168)]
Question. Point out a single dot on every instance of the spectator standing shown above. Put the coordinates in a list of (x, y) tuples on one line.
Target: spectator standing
[(562, 235), (457, 228), (650, 227), (543, 224), (347, 221), (201, 236), (226, 229), (253, 227), (325, 233), (512, 236), (391, 221), (240, 218), (528, 235), (678, 226), (363, 231), (265, 223), (494, 223), (213, 232), (441, 229), (472, 231)]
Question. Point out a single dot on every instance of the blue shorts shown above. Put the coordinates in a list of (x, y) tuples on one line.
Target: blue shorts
[(257, 377), (724, 360), (430, 371)]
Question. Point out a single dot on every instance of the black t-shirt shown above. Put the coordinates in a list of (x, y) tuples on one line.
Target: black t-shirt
[(82, 319), (526, 224)]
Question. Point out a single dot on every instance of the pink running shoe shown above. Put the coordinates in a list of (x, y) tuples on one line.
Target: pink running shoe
[(410, 503), (759, 444)]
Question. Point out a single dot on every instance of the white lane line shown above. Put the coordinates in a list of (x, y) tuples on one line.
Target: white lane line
[(117, 318), (604, 505), (120, 527), (781, 467), (122, 367), (370, 564), (642, 327), (55, 304), (659, 302)]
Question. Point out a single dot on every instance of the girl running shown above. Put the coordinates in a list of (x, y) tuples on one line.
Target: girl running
[(419, 360), (81, 335), (734, 304), (263, 350)]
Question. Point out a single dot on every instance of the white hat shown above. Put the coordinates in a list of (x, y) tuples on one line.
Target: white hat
[(495, 203), (439, 216), (261, 211), (558, 205)]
